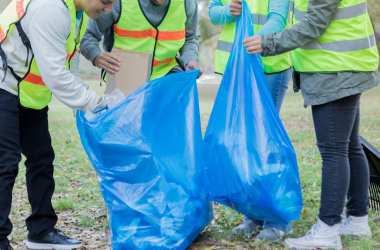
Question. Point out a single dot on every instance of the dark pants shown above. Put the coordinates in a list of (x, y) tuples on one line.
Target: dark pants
[(345, 171), (26, 131)]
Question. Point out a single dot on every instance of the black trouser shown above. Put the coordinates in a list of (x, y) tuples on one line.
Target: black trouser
[(26, 131), (345, 170)]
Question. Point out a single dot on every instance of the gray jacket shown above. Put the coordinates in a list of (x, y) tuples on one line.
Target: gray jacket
[(101, 27), (318, 88)]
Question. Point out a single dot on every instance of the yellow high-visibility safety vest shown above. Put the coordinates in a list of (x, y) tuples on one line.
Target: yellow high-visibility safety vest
[(347, 45), (134, 32), (32, 90), (260, 11)]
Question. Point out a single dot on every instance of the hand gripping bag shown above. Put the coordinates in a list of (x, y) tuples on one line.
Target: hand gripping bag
[(146, 152), (250, 163)]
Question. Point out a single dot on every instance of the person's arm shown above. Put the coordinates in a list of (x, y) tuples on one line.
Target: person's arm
[(48, 40), (190, 50), (218, 13), (96, 29), (74, 67), (317, 19), (278, 15)]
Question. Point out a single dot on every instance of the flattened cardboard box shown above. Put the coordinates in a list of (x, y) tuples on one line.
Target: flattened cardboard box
[(133, 72)]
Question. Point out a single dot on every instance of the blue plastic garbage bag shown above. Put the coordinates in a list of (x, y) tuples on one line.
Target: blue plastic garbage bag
[(250, 163), (146, 152)]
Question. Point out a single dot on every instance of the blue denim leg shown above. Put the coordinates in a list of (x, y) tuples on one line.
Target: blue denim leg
[(278, 225), (270, 224), (258, 222), (278, 84)]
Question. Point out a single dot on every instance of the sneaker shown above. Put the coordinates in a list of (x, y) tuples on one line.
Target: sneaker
[(270, 234), (247, 228), (54, 240), (320, 236), (355, 226), (6, 246)]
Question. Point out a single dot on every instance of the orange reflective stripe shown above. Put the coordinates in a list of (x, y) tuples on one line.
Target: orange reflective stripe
[(2, 34), (69, 55), (157, 63), (171, 35), (162, 35), (35, 79), (135, 33), (20, 8)]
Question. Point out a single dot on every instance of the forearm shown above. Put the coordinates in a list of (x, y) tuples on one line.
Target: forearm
[(317, 19), (219, 14), (190, 50), (278, 16)]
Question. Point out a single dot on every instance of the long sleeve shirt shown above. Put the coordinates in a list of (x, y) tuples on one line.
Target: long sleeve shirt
[(47, 24), (278, 15), (100, 27), (318, 88)]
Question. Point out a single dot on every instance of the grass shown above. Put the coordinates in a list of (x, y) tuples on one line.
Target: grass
[(80, 205)]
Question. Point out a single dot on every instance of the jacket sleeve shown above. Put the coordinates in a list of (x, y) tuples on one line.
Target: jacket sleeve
[(219, 14), (96, 29), (190, 50), (319, 15), (278, 15), (48, 40)]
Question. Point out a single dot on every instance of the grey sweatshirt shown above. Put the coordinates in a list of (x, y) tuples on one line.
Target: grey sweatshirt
[(47, 24), (101, 27), (318, 88)]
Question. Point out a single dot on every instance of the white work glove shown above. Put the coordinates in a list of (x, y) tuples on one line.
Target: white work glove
[(75, 110), (101, 107)]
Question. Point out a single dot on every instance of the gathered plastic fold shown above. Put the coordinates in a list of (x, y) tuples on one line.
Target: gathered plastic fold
[(250, 163), (146, 152)]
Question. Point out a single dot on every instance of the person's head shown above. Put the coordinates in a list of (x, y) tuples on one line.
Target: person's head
[(93, 8), (157, 2)]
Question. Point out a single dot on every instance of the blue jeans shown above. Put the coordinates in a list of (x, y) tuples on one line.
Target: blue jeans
[(278, 84)]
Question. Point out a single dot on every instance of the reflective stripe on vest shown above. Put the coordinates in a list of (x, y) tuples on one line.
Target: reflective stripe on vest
[(348, 44), (134, 32), (258, 19), (260, 10), (32, 90)]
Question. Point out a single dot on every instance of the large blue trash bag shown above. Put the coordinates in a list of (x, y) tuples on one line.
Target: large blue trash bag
[(146, 152), (250, 163)]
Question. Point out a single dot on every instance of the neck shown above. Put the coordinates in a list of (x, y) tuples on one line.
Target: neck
[(78, 5)]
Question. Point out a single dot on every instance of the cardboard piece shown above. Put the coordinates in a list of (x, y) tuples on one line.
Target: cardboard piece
[(133, 72)]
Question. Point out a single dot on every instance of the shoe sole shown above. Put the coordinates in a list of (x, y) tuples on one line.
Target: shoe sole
[(299, 247), (356, 234), (32, 245)]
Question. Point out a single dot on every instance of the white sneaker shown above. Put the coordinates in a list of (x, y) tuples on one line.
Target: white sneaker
[(355, 226), (320, 236)]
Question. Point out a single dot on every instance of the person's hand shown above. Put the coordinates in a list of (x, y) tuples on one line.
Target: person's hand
[(194, 65), (253, 45), (236, 7), (101, 106), (108, 61)]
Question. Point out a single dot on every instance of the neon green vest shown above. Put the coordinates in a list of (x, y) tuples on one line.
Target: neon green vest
[(32, 90), (260, 11), (134, 32), (347, 45)]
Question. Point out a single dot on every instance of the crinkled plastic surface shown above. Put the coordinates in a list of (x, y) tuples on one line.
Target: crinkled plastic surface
[(250, 163), (146, 152)]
